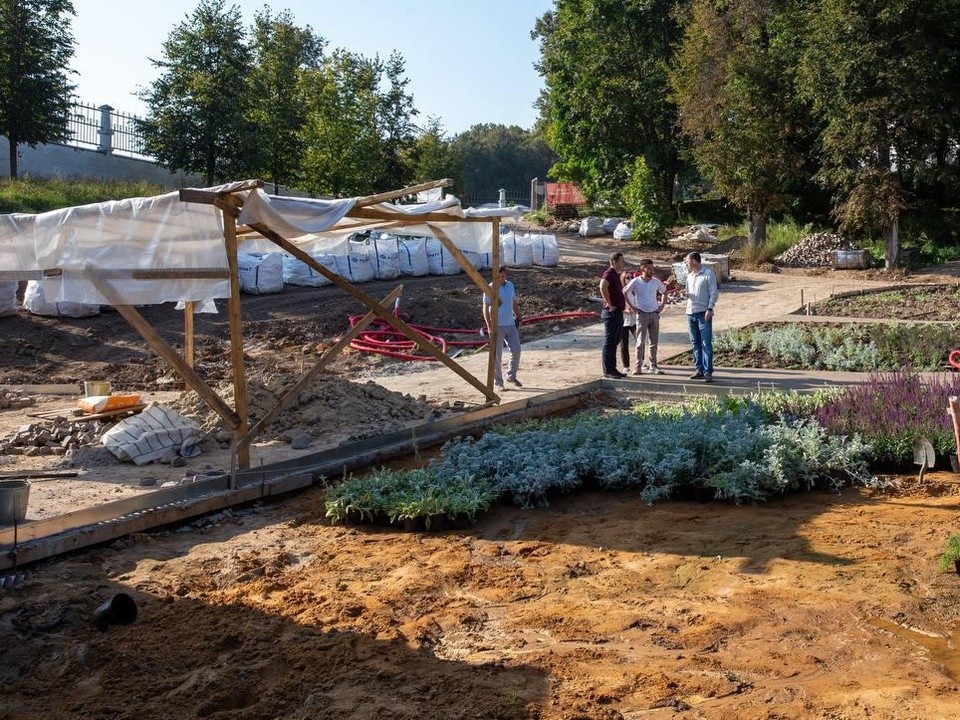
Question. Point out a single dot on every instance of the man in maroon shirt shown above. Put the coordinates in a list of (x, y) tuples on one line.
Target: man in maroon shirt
[(612, 314)]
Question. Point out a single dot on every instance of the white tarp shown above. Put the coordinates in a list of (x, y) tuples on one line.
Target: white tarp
[(156, 433), (17, 250)]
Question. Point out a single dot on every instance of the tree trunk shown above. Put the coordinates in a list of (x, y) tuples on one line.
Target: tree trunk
[(891, 240), (757, 228), (13, 158)]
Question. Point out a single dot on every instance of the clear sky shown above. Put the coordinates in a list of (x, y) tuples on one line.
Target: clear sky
[(468, 61)]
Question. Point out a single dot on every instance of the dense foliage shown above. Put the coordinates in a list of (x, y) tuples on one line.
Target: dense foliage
[(849, 347), (36, 46), (35, 195), (746, 450)]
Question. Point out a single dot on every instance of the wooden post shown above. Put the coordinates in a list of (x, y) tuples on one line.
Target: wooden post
[(188, 356), (495, 309), (236, 340)]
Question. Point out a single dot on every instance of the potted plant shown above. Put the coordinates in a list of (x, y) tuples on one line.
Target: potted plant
[(951, 555)]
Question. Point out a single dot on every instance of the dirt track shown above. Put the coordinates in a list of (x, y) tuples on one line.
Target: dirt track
[(811, 606)]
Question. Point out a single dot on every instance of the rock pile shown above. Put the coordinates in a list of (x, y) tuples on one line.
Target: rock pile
[(814, 251), (14, 401), (56, 437)]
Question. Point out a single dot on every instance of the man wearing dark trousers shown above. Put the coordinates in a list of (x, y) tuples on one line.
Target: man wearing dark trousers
[(611, 289)]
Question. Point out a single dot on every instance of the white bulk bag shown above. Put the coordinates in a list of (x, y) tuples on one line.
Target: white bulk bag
[(516, 251), (610, 224), (591, 227), (355, 266), (34, 301), (545, 250), (384, 254), (8, 299), (413, 256), (475, 259), (624, 231), (440, 260), (260, 274), (297, 272)]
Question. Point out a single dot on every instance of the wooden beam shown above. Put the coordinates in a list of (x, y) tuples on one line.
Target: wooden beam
[(372, 305), (394, 194), (462, 261), (236, 339), (208, 196), (160, 346), (369, 213), (287, 398), (149, 273), (495, 309), (188, 349)]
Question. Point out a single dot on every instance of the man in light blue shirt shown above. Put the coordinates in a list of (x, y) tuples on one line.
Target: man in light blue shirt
[(508, 322), (702, 294)]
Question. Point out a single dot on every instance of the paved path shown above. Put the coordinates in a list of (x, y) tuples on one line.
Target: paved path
[(571, 358)]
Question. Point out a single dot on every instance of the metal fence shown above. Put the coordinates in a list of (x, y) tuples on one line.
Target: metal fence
[(104, 129)]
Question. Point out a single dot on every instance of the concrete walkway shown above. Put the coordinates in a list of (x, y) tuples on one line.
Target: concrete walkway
[(572, 358)]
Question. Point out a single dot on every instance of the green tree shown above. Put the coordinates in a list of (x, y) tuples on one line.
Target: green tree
[(733, 85), (395, 115), (429, 156), (640, 200), (605, 63), (281, 51), (36, 46), (882, 77), (198, 109), (489, 157)]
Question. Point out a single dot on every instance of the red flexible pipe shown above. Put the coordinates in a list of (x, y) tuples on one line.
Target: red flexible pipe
[(385, 340), (954, 359)]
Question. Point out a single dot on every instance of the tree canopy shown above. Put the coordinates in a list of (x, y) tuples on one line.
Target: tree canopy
[(36, 46)]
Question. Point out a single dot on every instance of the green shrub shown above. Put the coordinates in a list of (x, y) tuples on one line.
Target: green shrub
[(640, 197), (951, 554)]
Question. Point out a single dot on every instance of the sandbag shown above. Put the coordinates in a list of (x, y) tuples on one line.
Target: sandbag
[(154, 434), (260, 274), (34, 301), (384, 254), (440, 260), (8, 299), (297, 272), (413, 256)]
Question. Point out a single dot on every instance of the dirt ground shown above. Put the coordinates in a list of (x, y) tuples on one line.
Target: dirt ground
[(811, 606)]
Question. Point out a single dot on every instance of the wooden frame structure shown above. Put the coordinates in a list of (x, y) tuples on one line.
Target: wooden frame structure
[(229, 200)]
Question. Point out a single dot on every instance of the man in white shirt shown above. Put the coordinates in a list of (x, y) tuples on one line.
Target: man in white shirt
[(508, 322), (702, 294), (647, 295)]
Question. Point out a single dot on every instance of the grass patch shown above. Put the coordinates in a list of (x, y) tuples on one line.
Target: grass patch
[(35, 195)]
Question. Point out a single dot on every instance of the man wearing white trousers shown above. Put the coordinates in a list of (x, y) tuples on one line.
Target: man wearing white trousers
[(508, 323)]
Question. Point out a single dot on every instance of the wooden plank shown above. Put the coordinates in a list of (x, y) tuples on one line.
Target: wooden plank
[(188, 325), (209, 196), (374, 307), (236, 338), (462, 261), (160, 346), (287, 398), (495, 309), (394, 194), (70, 417), (370, 213)]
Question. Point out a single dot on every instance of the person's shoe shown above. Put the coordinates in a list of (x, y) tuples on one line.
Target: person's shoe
[(616, 374), (514, 381), (498, 385), (697, 376), (708, 377), (655, 370), (638, 371)]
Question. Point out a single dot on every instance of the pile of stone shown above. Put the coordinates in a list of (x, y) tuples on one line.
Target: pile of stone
[(14, 401), (814, 251), (695, 236), (56, 437)]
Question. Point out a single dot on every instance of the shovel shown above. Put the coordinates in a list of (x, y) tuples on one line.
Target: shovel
[(923, 455)]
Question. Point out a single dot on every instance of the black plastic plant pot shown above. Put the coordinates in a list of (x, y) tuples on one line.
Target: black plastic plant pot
[(121, 609)]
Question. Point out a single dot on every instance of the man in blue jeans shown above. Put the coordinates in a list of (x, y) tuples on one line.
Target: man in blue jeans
[(611, 289), (702, 294)]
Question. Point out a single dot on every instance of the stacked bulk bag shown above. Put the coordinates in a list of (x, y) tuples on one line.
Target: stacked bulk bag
[(545, 250), (260, 274), (440, 260), (355, 265), (610, 224), (516, 251), (35, 302), (591, 227), (413, 256), (384, 252), (8, 299), (297, 272)]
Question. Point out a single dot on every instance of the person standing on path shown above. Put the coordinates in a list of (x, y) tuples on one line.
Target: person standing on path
[(646, 295), (508, 324), (702, 294), (629, 326), (611, 289)]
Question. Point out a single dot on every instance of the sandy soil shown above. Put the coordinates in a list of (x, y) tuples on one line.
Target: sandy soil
[(811, 606)]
